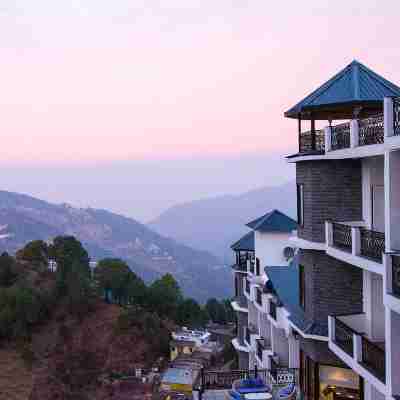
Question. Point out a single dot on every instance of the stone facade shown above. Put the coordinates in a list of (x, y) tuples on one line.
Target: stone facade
[(239, 289), (241, 324), (331, 286), (332, 190)]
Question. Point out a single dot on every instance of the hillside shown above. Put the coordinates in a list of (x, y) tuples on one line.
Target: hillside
[(214, 224), (103, 233)]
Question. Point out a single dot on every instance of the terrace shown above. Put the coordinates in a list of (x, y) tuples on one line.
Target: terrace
[(349, 340)]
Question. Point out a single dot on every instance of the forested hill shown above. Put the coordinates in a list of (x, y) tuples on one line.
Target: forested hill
[(213, 224), (106, 234)]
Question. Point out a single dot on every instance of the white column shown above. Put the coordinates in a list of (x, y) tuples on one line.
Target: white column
[(329, 233), (357, 347), (328, 138), (354, 133), (388, 116), (355, 241), (331, 328)]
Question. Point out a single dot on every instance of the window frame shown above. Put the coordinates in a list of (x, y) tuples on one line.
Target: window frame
[(300, 204)]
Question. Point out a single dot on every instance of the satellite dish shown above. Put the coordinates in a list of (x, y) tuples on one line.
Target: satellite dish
[(288, 253)]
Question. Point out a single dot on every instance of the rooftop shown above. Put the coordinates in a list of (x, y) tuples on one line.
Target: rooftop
[(246, 243), (284, 283), (354, 86), (274, 221)]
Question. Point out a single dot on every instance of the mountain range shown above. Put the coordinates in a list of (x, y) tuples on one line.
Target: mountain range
[(213, 224), (105, 234)]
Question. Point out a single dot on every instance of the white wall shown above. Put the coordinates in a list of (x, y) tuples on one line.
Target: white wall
[(392, 199), (373, 176), (269, 248)]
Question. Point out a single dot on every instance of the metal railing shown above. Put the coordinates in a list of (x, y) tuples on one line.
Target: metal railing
[(373, 358), (247, 336), (396, 116), (247, 287), (340, 136), (272, 309), (371, 130), (259, 296), (311, 142), (341, 236), (260, 348), (372, 244), (396, 275), (344, 337), (214, 380)]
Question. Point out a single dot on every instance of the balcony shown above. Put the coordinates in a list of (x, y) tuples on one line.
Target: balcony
[(312, 142), (348, 340), (355, 244)]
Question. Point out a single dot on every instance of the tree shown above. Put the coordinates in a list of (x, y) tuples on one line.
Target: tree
[(114, 276), (36, 252), (190, 313), (8, 273), (68, 251), (219, 312), (165, 296)]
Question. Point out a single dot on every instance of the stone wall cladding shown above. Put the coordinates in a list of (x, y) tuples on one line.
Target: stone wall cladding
[(332, 190), (243, 360), (332, 286), (241, 323)]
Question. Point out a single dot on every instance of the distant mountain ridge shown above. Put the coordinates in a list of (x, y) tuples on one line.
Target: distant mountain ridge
[(213, 224), (106, 234)]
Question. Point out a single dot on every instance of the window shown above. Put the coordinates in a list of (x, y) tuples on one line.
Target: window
[(300, 204), (302, 289), (257, 266)]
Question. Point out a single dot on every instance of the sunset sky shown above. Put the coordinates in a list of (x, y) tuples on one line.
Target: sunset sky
[(91, 85)]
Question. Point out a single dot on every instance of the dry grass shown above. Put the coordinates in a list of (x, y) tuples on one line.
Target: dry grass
[(15, 377)]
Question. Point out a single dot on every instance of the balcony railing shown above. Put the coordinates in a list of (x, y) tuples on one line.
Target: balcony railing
[(396, 275), (396, 116), (342, 236), (312, 142), (371, 130), (247, 287), (340, 136), (373, 358), (372, 244), (350, 339), (259, 297), (252, 268), (272, 309), (247, 336), (344, 337), (260, 348)]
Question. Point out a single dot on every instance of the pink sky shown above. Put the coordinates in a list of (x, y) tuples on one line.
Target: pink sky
[(101, 81)]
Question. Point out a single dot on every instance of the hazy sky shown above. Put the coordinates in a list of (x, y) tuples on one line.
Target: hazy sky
[(146, 102)]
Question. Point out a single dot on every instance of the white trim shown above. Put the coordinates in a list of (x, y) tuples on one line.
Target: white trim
[(236, 307), (238, 347), (307, 336), (358, 261), (306, 244)]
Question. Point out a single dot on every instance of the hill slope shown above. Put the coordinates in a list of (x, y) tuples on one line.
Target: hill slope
[(103, 233), (214, 224)]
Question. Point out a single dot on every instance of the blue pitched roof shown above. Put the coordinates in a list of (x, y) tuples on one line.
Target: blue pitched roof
[(274, 221), (354, 84), (246, 243), (284, 283)]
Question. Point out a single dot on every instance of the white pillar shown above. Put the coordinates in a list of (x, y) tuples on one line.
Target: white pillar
[(331, 328), (355, 241), (329, 233), (354, 133), (357, 345), (328, 138), (388, 116)]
